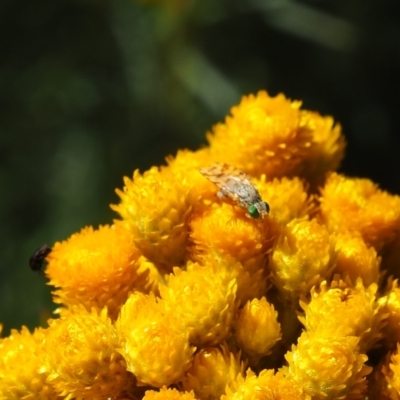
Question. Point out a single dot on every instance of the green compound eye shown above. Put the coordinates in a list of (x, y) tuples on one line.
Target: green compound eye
[(253, 212)]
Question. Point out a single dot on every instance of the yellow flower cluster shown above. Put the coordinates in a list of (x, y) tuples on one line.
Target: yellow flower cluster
[(191, 296)]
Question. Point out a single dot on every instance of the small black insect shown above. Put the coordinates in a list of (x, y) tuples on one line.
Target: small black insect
[(38, 257)]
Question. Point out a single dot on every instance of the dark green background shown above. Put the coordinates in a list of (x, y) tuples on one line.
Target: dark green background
[(91, 90)]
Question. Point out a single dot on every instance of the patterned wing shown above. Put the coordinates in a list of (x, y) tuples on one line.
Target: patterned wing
[(221, 173), (232, 182), (236, 185)]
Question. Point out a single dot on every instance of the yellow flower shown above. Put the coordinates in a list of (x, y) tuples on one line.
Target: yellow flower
[(184, 168), (22, 372), (257, 329), (232, 234), (265, 386), (82, 358), (328, 367), (156, 350), (390, 308), (264, 135), (287, 198), (168, 394), (240, 246), (185, 276), (157, 212), (354, 259), (385, 381), (98, 268), (202, 299), (201, 193), (358, 206), (212, 370), (352, 310), (252, 280), (327, 151), (302, 257)]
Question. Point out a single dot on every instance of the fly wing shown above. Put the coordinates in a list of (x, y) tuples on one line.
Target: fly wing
[(235, 185), (219, 173), (231, 181)]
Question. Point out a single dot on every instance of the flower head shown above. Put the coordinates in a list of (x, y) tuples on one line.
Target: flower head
[(264, 135), (98, 268), (204, 240), (354, 259), (233, 234), (213, 369), (343, 306), (22, 371), (302, 256), (257, 329), (265, 386), (384, 383), (359, 207), (168, 394), (390, 308), (239, 245), (327, 151), (288, 198), (157, 212), (155, 349), (203, 301), (82, 358), (328, 367)]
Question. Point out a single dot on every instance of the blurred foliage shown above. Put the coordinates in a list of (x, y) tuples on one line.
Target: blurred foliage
[(91, 90)]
